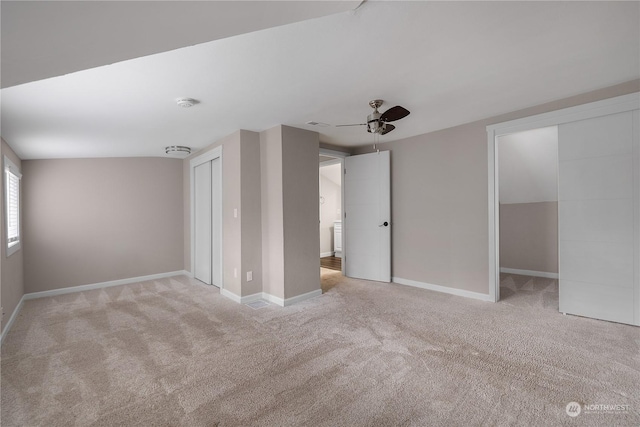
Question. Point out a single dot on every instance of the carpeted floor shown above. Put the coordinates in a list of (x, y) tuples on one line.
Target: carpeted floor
[(171, 352)]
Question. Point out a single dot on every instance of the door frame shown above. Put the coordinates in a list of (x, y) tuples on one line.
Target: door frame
[(340, 156), (216, 153), (590, 110)]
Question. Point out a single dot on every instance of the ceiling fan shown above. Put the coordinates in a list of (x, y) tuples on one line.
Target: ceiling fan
[(379, 122)]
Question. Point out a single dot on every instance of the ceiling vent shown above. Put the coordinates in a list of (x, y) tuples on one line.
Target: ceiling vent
[(177, 151), (312, 123), (186, 102)]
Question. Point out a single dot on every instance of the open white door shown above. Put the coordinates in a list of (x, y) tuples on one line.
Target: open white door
[(367, 208)]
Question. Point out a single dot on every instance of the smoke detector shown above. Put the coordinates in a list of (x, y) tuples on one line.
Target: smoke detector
[(177, 151), (186, 102)]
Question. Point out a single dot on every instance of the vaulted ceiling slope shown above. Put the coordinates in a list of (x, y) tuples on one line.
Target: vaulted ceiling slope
[(42, 39), (447, 62)]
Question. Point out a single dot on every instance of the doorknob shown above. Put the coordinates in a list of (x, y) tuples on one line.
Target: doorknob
[(384, 224)]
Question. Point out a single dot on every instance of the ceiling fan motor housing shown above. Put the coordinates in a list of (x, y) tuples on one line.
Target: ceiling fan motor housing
[(373, 122)]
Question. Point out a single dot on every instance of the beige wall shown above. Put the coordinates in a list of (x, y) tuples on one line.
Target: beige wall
[(272, 211), (251, 212), (529, 236), (439, 198), (300, 207), (290, 206), (231, 225), (96, 220), (11, 268)]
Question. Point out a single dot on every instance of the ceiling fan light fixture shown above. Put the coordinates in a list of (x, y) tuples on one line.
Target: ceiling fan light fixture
[(180, 151)]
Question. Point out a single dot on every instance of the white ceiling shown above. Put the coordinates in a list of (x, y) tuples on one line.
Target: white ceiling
[(447, 62), (528, 166)]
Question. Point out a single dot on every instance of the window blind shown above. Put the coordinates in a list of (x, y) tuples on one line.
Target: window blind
[(13, 206)]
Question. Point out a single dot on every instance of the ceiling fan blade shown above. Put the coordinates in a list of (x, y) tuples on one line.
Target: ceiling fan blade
[(387, 129), (394, 113), (356, 124)]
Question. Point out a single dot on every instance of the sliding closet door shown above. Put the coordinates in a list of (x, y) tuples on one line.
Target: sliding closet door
[(598, 217), (203, 217)]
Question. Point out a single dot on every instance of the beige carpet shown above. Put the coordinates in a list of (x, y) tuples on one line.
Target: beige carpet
[(170, 352)]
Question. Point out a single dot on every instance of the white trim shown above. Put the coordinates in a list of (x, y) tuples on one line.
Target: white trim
[(339, 155), (11, 168), (12, 319), (206, 157), (302, 297), (233, 297), (330, 162), (333, 153), (529, 273), (248, 299), (326, 254), (443, 289), (636, 214), (618, 104), (196, 161), (271, 298), (241, 300), (590, 110), (89, 287)]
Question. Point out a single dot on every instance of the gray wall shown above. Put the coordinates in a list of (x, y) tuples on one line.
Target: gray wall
[(290, 206), (300, 205), (95, 220), (272, 211), (11, 269), (529, 236), (439, 198), (251, 212)]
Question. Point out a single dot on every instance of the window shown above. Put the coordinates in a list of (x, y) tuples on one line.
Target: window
[(12, 205)]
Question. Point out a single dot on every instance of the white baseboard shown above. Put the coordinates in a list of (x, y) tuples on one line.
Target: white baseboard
[(444, 289), (325, 254), (274, 299), (12, 319), (231, 296), (529, 273), (302, 297), (81, 288), (247, 299)]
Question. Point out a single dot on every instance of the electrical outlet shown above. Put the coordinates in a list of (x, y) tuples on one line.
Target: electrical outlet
[(235, 212), (249, 276), (235, 273)]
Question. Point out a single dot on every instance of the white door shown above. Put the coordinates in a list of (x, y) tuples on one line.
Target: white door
[(598, 218), (208, 223), (367, 199), (203, 218)]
